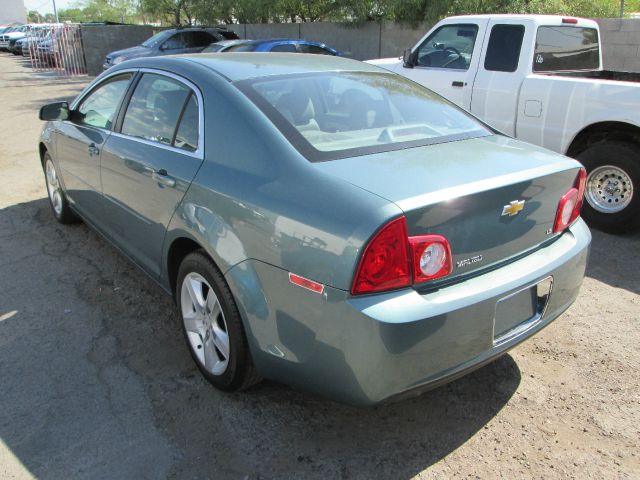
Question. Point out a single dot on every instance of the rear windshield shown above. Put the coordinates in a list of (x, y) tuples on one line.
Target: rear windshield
[(566, 48), (334, 115)]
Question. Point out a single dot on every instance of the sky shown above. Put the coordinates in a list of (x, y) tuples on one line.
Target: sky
[(46, 6)]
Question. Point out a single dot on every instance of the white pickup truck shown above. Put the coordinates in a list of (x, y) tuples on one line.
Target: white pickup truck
[(539, 78)]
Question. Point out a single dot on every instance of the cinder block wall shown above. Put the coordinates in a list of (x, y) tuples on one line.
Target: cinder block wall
[(362, 42), (620, 38), (620, 43), (98, 40)]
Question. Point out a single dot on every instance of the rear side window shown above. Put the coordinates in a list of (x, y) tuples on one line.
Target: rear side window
[(243, 47), (187, 134), (314, 49), (154, 109), (504, 47), (284, 47), (566, 48), (200, 39)]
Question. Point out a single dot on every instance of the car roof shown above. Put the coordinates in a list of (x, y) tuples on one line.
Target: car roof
[(244, 65), (266, 41)]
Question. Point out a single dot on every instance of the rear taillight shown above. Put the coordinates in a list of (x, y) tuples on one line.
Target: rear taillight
[(385, 262), (393, 260), (570, 203), (572, 21), (431, 256)]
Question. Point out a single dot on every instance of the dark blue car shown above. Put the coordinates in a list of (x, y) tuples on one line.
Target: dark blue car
[(272, 45), (171, 42)]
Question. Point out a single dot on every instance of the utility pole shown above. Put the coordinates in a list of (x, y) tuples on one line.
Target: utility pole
[(621, 8), (55, 10)]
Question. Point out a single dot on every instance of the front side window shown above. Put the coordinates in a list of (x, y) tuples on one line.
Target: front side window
[(503, 51), (451, 46), (564, 48), (337, 115), (154, 108), (157, 38), (98, 109)]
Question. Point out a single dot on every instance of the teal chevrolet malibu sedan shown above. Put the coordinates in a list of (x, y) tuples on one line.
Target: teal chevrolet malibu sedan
[(319, 221)]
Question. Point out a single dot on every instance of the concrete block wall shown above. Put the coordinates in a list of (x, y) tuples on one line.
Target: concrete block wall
[(620, 38), (98, 40), (620, 43), (395, 38), (362, 42)]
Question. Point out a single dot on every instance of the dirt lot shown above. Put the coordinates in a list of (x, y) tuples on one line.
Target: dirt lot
[(95, 381)]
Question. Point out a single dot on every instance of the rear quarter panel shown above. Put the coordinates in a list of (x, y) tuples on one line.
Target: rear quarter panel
[(256, 197)]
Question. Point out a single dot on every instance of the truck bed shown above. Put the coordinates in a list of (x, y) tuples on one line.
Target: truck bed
[(599, 75)]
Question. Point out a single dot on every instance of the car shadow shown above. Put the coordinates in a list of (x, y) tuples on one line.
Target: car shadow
[(97, 382), (615, 260)]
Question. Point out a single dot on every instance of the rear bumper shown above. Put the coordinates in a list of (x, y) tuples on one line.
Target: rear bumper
[(366, 350)]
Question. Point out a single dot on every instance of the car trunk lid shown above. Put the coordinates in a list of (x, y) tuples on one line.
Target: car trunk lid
[(471, 192)]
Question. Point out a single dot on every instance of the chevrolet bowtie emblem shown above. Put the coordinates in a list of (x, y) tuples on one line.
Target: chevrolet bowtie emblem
[(513, 208)]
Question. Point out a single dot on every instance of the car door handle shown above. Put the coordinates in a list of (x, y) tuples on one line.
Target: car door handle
[(93, 150), (457, 84), (163, 178)]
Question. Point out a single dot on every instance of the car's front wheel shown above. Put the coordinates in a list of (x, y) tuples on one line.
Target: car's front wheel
[(57, 199), (212, 325)]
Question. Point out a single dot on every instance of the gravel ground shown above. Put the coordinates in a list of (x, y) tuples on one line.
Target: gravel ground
[(95, 381)]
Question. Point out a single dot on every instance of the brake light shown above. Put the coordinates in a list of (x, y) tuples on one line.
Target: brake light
[(570, 20), (570, 203), (392, 259), (431, 257), (385, 262)]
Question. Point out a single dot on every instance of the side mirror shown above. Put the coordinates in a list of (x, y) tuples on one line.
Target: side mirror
[(55, 111), (408, 58)]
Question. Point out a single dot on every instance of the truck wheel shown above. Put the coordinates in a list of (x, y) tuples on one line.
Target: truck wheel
[(612, 192)]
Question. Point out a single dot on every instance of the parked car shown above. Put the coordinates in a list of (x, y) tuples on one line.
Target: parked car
[(540, 78), (11, 34), (272, 45), (21, 46), (171, 42), (323, 223)]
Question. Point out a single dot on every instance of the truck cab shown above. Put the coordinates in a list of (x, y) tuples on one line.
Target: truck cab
[(540, 78)]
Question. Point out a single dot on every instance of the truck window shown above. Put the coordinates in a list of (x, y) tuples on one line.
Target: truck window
[(566, 48), (503, 51), (451, 46)]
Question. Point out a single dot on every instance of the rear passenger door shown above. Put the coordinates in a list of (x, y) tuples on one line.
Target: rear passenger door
[(149, 162), (503, 66)]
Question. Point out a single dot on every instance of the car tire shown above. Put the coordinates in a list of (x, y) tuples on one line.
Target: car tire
[(57, 198), (212, 325), (612, 191)]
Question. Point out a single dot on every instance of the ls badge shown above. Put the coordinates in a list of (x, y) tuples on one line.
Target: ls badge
[(513, 208)]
